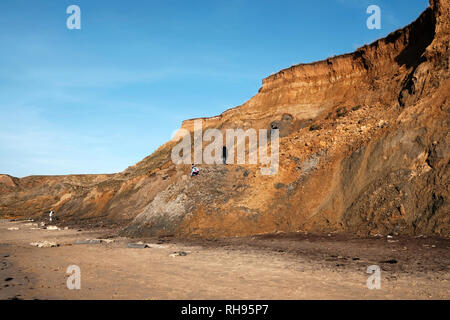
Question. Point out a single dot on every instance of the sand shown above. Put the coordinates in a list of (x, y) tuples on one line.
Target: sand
[(284, 266)]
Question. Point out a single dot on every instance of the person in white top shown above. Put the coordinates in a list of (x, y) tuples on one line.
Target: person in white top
[(194, 171), (51, 214)]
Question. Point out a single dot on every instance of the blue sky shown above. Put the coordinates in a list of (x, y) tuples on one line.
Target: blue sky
[(99, 99)]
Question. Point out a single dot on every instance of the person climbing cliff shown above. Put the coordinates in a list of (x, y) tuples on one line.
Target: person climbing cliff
[(224, 155), (194, 171)]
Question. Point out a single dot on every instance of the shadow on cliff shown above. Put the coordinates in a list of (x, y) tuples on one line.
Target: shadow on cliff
[(420, 35)]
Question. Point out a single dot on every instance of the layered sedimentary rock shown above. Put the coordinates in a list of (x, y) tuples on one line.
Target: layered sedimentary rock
[(364, 149)]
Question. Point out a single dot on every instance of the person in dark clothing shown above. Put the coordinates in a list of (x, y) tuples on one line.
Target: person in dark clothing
[(224, 155)]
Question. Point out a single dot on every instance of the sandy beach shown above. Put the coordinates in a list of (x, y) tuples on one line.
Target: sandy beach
[(282, 266)]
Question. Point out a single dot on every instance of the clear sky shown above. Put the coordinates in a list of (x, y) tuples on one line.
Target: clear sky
[(99, 99)]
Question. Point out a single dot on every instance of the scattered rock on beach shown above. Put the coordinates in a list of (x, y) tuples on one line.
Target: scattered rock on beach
[(137, 245), (88, 241), (44, 244), (106, 240), (178, 254)]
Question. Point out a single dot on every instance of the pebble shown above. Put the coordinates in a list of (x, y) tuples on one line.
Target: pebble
[(178, 254)]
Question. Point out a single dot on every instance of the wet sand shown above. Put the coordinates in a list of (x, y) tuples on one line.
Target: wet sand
[(284, 266)]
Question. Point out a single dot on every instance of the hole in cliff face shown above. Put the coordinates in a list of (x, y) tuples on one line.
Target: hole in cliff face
[(284, 127), (275, 125), (287, 117), (421, 34)]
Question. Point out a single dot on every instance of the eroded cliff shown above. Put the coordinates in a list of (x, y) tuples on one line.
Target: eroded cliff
[(364, 149)]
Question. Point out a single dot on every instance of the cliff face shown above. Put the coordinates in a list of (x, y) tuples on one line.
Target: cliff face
[(307, 91), (364, 149)]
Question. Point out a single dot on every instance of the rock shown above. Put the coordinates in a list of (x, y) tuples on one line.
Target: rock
[(341, 112), (159, 246), (52, 228), (178, 254), (279, 185), (378, 235), (107, 240), (44, 244), (137, 245), (390, 261), (13, 228), (34, 225), (382, 124), (88, 241)]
